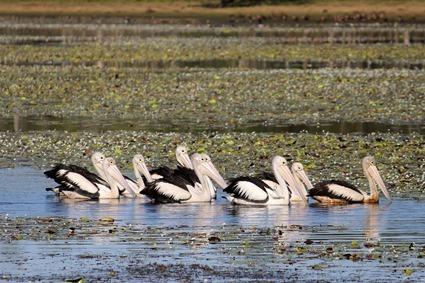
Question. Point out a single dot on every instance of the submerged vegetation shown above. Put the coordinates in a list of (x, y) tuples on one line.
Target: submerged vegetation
[(170, 48), (205, 86), (400, 159), (235, 252), (228, 97)]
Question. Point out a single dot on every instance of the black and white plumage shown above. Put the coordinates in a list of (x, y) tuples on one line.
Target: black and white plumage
[(169, 189), (255, 190), (271, 181), (336, 191), (249, 189), (341, 192), (96, 158), (182, 155), (76, 182), (184, 185), (137, 186)]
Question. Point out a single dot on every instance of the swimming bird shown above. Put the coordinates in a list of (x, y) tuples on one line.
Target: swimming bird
[(96, 159), (79, 183), (184, 185), (341, 192), (185, 162), (300, 177), (139, 184), (60, 169), (255, 191), (182, 156), (295, 194)]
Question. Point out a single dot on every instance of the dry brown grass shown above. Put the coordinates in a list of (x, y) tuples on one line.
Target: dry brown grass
[(177, 9)]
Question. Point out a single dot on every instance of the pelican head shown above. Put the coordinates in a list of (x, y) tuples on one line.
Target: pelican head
[(140, 165), (97, 158), (113, 173), (202, 163), (298, 171), (182, 156), (370, 170), (281, 170)]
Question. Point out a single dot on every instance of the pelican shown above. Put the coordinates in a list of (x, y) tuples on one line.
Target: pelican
[(59, 170), (296, 193), (301, 179), (182, 156), (341, 192), (97, 159), (184, 161), (254, 191), (184, 185), (78, 183)]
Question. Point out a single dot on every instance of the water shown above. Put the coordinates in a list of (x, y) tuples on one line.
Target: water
[(258, 64), (73, 124), (401, 220), (301, 33), (169, 240)]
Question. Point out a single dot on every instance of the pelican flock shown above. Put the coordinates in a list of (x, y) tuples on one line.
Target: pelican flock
[(194, 179)]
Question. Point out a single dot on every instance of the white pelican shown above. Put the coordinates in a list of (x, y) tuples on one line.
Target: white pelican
[(182, 156), (59, 170), (96, 159), (138, 185), (184, 185), (184, 161), (301, 179), (341, 192), (78, 183), (254, 191), (296, 193)]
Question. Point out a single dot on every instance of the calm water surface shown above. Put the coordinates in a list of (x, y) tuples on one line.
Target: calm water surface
[(72, 124), (401, 220), (96, 258)]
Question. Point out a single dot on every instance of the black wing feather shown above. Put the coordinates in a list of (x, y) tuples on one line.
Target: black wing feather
[(267, 176), (233, 189), (152, 191), (53, 173), (187, 174), (321, 189), (68, 185)]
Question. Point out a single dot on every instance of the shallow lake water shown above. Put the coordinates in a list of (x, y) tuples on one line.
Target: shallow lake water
[(43, 238), (167, 235), (400, 220), (73, 124)]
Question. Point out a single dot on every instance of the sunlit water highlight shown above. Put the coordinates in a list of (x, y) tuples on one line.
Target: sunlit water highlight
[(23, 195)]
